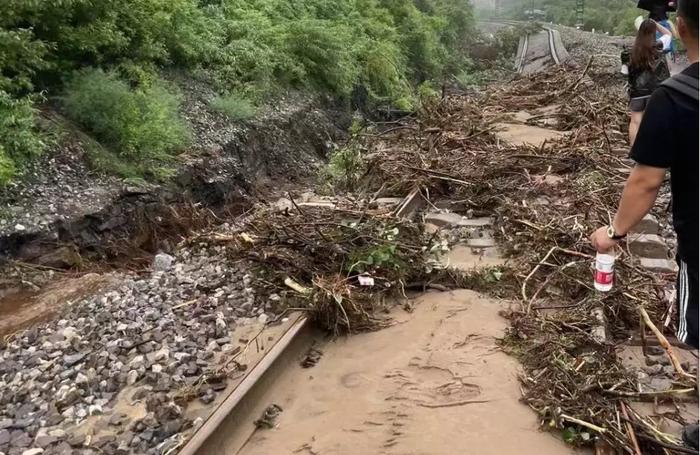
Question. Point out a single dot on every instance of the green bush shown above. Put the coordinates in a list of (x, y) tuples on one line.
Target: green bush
[(139, 125), (321, 55), (7, 168), (20, 141), (234, 106)]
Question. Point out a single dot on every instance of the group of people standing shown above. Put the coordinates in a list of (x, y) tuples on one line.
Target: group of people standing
[(664, 137)]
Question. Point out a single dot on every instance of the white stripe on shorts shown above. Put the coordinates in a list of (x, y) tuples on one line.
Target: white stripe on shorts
[(682, 302)]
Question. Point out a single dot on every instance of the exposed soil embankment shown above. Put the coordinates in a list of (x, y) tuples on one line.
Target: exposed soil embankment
[(62, 213)]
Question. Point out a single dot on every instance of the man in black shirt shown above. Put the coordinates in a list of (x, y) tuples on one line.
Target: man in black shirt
[(668, 139)]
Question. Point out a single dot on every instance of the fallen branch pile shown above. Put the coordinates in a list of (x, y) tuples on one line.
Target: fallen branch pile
[(344, 264), (546, 201)]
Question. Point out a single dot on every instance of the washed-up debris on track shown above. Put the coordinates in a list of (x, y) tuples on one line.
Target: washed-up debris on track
[(546, 201), (341, 263)]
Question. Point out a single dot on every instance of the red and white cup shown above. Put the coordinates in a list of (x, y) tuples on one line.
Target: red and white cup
[(604, 272)]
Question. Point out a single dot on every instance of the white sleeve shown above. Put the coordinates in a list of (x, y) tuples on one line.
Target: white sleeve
[(665, 40)]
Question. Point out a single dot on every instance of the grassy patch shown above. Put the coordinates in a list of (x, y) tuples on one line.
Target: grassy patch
[(140, 127), (234, 106)]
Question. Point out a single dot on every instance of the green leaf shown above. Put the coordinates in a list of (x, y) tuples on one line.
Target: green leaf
[(569, 435)]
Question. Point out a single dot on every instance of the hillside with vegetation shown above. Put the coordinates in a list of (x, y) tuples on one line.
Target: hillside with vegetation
[(615, 17), (102, 64)]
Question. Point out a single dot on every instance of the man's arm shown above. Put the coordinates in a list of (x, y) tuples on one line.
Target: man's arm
[(638, 198), (653, 151)]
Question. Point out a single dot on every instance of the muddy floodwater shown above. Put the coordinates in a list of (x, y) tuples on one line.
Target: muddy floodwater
[(434, 383)]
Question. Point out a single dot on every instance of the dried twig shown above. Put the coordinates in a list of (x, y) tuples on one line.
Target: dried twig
[(630, 430), (664, 344)]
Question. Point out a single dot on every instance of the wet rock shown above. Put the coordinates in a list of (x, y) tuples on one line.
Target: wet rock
[(170, 427), (70, 360), (162, 262), (661, 384), (104, 440), (20, 439), (76, 440), (57, 433), (657, 360), (654, 370), (4, 437), (655, 350), (132, 377), (44, 441)]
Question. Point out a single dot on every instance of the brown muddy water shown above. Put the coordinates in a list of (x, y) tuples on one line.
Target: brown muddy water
[(434, 383)]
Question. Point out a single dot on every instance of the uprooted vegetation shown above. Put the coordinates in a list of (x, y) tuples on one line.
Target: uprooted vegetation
[(545, 200), (318, 260)]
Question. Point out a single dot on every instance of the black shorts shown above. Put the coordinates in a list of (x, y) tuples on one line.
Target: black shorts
[(639, 103), (687, 298)]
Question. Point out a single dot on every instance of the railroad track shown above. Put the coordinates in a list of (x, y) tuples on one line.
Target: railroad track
[(535, 50), (551, 33), (230, 426), (538, 50)]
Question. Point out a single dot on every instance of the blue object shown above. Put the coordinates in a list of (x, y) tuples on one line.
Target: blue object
[(667, 25)]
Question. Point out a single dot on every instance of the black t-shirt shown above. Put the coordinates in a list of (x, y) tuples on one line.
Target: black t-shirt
[(668, 138)]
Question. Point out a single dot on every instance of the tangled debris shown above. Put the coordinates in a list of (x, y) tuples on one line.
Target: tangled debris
[(269, 417), (311, 358), (546, 200), (341, 261)]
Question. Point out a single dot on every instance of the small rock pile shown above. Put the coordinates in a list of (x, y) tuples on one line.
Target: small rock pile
[(55, 188), (146, 340), (658, 375)]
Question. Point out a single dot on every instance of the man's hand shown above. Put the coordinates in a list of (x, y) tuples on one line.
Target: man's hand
[(601, 242)]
